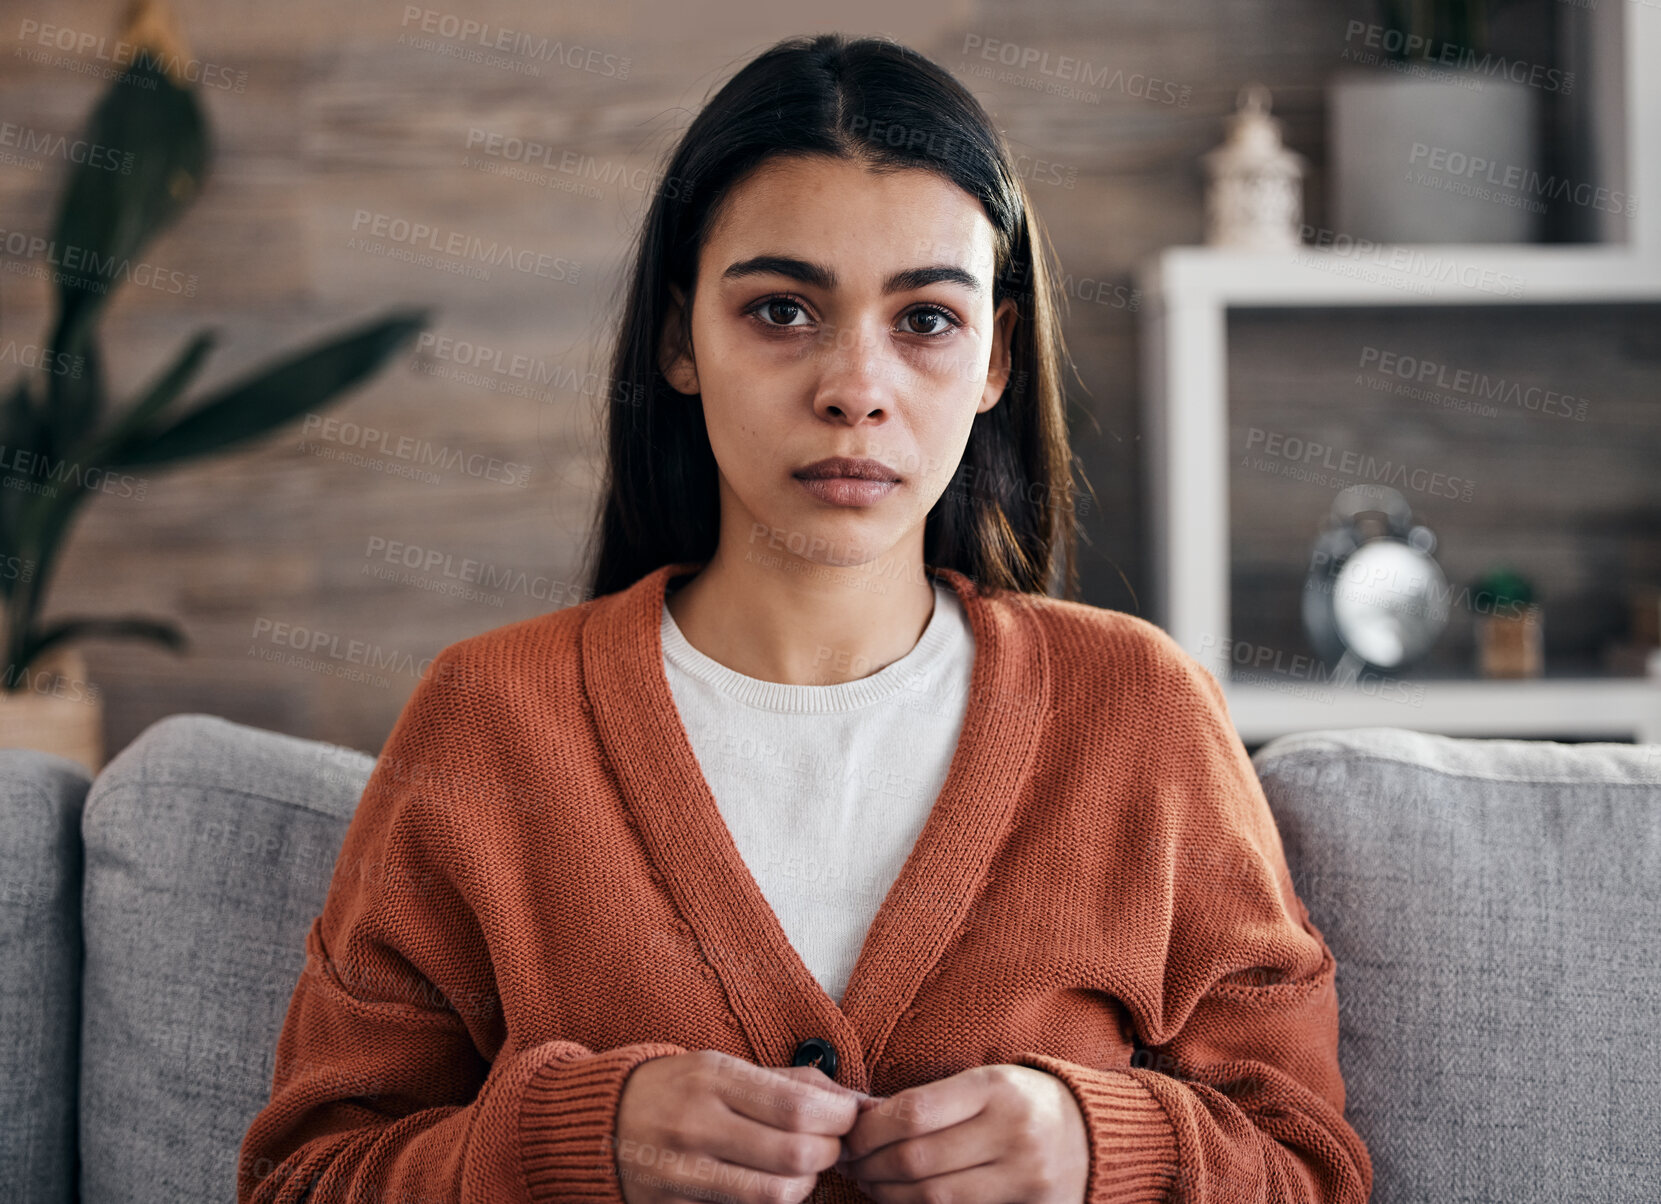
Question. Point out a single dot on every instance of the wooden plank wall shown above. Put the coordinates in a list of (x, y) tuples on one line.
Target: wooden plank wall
[(349, 108)]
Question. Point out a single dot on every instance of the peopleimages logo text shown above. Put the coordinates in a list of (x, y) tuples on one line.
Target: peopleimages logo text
[(466, 30), (422, 452), (1448, 54), (464, 246), (1520, 179), (1310, 456)]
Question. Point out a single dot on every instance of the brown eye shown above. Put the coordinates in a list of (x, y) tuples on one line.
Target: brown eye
[(941, 321), (771, 307)]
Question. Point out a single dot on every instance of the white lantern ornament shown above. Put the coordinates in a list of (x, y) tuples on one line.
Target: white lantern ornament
[(1254, 198)]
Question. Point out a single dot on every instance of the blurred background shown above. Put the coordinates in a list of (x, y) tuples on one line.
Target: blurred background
[(1229, 186)]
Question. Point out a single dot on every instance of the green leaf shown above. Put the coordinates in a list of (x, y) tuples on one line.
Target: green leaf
[(17, 433), (272, 396), (162, 391), (43, 518), (1501, 586), (40, 536), (155, 138), (78, 393), (127, 627)]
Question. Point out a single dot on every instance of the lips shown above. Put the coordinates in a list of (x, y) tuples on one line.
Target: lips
[(844, 466)]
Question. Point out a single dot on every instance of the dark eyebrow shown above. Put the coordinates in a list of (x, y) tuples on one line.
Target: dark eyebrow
[(822, 277)]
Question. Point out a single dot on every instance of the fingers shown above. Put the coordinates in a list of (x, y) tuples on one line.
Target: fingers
[(648, 1174), (796, 1099), (990, 1184), (757, 1147), (959, 1147), (779, 1121), (916, 1111), (705, 1122)]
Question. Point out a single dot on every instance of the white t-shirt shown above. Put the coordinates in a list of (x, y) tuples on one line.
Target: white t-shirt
[(826, 788)]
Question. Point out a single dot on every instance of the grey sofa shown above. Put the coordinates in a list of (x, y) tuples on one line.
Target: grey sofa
[(1493, 907)]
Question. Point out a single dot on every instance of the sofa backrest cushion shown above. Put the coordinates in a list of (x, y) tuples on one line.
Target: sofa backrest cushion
[(209, 848), (40, 970), (1494, 907)]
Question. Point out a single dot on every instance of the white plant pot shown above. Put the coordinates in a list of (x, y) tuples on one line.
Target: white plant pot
[(1435, 156)]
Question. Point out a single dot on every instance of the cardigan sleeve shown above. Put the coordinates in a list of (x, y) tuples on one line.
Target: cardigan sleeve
[(1234, 1093), (380, 1101), (380, 1091)]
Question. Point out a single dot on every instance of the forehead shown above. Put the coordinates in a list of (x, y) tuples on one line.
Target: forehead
[(834, 210)]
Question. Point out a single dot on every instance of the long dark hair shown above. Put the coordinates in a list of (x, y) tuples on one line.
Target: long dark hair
[(1008, 514)]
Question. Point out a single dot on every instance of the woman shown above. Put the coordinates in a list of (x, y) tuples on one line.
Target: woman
[(822, 851)]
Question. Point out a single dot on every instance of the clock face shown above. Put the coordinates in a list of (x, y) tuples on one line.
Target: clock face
[(1389, 602)]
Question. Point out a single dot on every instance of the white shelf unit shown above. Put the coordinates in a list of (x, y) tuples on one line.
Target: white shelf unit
[(1586, 708), (1186, 293)]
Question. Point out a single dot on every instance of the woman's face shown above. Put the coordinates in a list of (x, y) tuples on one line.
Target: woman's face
[(841, 313)]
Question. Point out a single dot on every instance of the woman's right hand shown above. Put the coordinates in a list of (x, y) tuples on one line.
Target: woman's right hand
[(705, 1123)]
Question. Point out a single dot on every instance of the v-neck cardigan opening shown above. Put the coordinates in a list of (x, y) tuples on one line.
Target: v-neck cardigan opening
[(774, 995)]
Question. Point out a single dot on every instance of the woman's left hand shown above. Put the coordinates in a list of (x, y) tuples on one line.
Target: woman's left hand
[(986, 1135)]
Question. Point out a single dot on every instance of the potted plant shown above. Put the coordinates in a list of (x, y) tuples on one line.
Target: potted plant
[(60, 436), (1430, 136), (1509, 631)]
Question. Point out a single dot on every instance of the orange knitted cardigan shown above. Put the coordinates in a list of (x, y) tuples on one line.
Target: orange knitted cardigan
[(537, 892)]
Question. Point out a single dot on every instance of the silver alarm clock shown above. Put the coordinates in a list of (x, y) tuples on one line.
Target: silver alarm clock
[(1375, 598)]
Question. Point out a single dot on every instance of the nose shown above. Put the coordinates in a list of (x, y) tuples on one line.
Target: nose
[(857, 382)]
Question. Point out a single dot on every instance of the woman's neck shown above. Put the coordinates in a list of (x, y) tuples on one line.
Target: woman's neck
[(776, 617)]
